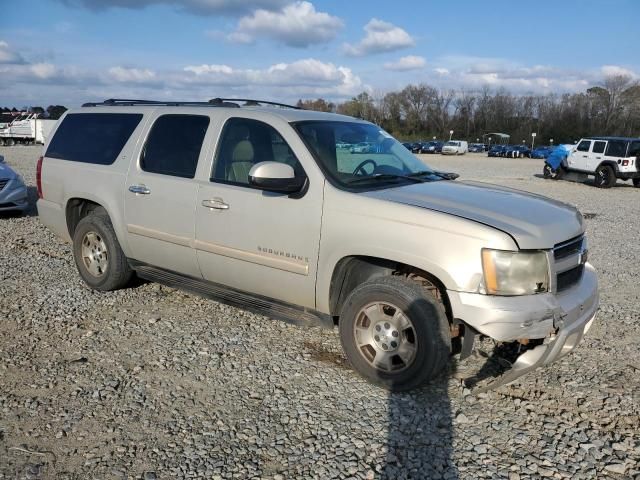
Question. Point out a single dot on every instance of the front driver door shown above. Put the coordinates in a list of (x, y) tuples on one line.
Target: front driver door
[(250, 239)]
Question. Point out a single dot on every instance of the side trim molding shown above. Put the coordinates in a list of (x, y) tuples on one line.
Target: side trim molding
[(273, 262), (245, 256)]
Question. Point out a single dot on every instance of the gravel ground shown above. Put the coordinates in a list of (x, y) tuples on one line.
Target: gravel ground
[(150, 382)]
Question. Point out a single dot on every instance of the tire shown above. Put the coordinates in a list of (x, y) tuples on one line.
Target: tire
[(94, 237), (605, 177), (636, 182), (395, 308), (549, 172)]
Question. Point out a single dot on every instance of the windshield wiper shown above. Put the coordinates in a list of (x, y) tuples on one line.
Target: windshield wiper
[(386, 176), (443, 175)]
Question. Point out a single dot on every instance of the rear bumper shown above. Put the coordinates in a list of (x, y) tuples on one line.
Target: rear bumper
[(52, 216), (561, 320)]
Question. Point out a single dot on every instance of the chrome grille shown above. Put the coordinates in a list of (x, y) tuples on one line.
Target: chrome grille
[(3, 183), (569, 258)]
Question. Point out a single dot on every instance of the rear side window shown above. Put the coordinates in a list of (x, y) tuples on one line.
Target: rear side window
[(92, 137), (598, 147), (584, 146), (174, 145), (616, 148)]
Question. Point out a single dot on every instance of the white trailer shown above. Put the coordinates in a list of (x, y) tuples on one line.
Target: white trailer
[(26, 128)]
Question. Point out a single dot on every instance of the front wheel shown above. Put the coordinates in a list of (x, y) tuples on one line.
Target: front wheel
[(394, 333), (605, 177), (100, 261), (548, 172)]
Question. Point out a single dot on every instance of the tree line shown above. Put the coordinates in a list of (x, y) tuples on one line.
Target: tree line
[(423, 112)]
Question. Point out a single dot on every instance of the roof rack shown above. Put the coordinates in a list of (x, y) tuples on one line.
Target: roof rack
[(214, 102)]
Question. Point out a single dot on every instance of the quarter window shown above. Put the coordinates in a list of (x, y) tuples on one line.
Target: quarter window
[(584, 146), (173, 145), (616, 148), (634, 149), (92, 137), (245, 142), (598, 147)]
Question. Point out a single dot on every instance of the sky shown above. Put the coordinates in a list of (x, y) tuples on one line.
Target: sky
[(71, 51)]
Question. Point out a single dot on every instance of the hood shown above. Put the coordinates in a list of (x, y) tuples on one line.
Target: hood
[(533, 221), (6, 172)]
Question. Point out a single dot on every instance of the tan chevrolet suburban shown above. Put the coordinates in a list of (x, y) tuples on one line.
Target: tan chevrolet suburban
[(269, 208)]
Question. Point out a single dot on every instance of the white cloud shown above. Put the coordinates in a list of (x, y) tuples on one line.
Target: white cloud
[(7, 55), (410, 62), (380, 37), (132, 75), (308, 75), (441, 71), (296, 25), (200, 7), (613, 70)]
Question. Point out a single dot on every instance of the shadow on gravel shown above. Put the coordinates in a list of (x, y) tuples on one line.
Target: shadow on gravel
[(420, 424)]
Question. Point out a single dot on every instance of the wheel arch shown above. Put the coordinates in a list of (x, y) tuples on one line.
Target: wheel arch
[(353, 270), (79, 206)]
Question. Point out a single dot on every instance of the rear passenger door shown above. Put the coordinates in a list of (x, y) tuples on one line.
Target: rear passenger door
[(160, 193), (597, 154)]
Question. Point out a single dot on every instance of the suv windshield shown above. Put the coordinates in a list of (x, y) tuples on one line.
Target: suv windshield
[(361, 155), (453, 144)]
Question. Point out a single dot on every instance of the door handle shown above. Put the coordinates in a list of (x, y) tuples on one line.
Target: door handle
[(216, 203), (584, 156), (141, 189)]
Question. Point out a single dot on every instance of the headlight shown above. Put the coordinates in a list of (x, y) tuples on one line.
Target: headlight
[(515, 273)]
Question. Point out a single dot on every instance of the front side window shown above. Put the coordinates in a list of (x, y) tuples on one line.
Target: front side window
[(361, 156), (616, 148), (94, 138), (173, 145), (584, 146), (598, 147), (245, 142)]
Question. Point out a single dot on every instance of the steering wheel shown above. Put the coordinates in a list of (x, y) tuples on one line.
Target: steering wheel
[(360, 171)]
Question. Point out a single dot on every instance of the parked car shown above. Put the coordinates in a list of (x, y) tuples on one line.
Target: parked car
[(541, 152), (362, 147), (408, 146), (455, 147), (496, 150), (13, 191), (477, 147), (607, 159), (256, 207), (433, 146), (516, 151)]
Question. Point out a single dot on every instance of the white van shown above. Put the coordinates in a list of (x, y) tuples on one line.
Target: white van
[(455, 147)]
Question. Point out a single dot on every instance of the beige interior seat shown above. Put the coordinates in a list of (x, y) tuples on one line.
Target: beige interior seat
[(242, 159)]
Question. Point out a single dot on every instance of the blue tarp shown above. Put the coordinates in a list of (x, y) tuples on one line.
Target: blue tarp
[(558, 156)]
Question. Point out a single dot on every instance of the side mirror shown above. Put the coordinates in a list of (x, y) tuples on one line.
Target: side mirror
[(275, 177)]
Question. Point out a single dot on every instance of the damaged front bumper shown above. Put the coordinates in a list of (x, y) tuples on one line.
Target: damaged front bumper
[(560, 320)]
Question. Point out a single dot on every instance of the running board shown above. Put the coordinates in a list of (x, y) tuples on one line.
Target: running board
[(296, 315)]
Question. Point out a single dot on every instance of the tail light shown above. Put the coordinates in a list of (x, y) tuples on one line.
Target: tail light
[(39, 177), (625, 163)]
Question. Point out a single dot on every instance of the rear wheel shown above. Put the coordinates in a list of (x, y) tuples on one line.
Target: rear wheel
[(96, 250), (636, 182), (394, 333), (605, 177)]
